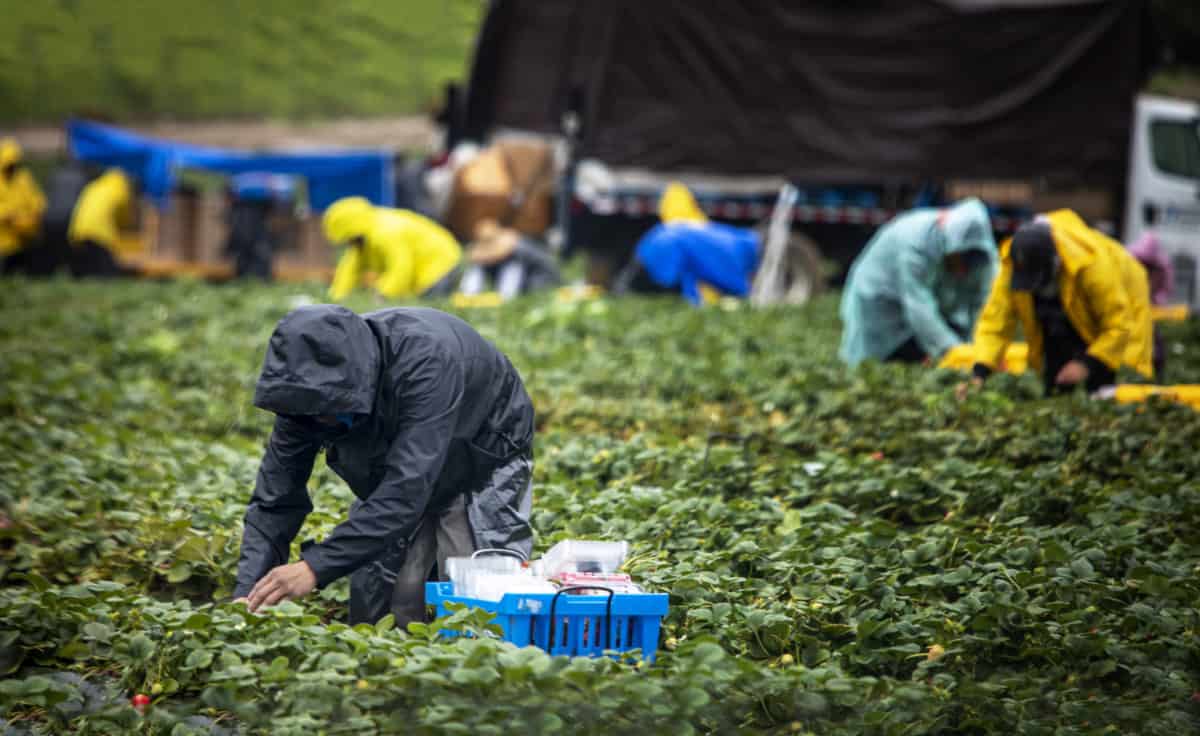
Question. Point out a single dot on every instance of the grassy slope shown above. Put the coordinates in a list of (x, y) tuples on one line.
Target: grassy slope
[(134, 58)]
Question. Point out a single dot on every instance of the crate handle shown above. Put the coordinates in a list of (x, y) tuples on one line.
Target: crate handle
[(498, 551), (607, 609)]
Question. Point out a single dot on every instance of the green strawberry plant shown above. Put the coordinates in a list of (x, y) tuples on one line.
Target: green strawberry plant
[(846, 551)]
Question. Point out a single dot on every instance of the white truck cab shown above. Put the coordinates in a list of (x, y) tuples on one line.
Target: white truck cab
[(1164, 187)]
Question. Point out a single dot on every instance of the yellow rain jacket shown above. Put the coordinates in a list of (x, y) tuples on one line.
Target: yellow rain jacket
[(1104, 291), (105, 206), (407, 252), (1130, 393), (21, 201), (962, 358)]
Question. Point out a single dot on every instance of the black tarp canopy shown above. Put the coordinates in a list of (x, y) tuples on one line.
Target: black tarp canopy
[(854, 90)]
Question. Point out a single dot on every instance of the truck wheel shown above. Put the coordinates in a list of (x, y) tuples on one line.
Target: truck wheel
[(803, 271)]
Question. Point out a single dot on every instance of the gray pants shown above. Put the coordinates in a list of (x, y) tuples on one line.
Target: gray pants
[(446, 533), (395, 581)]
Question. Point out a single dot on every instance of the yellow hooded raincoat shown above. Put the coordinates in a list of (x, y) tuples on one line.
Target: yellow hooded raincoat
[(678, 204), (105, 206), (407, 252), (1104, 291), (21, 201)]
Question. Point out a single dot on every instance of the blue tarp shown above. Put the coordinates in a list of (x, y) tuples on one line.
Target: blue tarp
[(330, 175), (262, 187)]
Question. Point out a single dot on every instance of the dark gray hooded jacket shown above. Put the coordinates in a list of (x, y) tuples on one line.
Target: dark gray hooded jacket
[(434, 400)]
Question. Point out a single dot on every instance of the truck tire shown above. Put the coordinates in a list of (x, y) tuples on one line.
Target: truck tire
[(804, 270)]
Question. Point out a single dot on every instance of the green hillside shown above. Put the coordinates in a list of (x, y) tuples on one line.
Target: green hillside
[(136, 59)]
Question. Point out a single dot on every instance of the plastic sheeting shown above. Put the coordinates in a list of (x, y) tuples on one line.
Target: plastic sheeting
[(688, 255), (330, 175), (261, 187), (838, 92)]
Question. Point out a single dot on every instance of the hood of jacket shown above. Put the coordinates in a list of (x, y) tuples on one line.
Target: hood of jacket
[(677, 204), (1148, 250), (347, 219), (967, 227), (321, 359), (10, 152)]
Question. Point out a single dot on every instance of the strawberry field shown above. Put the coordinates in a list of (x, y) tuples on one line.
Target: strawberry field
[(846, 552)]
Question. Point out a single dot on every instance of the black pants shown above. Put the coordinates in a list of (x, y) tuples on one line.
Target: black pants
[(90, 259), (1159, 355), (252, 259), (910, 351), (395, 582), (250, 240), (36, 258)]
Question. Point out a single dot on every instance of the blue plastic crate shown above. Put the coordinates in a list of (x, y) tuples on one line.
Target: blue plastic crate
[(582, 625)]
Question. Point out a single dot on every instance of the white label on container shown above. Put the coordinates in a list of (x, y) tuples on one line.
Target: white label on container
[(533, 605)]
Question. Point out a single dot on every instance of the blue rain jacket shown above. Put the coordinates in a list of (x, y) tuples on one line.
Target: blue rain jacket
[(683, 255), (898, 287)]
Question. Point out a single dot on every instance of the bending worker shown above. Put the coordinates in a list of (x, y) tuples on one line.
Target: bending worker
[(21, 207), (916, 290), (1148, 251), (258, 205), (105, 207), (427, 422), (1082, 300), (514, 262), (409, 254), (686, 252)]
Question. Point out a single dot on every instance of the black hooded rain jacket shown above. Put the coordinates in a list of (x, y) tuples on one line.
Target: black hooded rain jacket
[(433, 400)]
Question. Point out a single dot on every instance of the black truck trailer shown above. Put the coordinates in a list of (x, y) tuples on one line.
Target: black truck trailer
[(868, 107)]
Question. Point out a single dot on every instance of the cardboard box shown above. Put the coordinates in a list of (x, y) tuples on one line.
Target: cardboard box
[(511, 182)]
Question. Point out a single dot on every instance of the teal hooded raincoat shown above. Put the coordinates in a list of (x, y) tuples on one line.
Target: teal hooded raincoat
[(898, 287)]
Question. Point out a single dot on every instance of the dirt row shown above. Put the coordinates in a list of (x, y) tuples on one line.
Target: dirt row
[(412, 133)]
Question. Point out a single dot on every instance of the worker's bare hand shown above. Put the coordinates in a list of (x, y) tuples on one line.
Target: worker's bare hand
[(966, 387), (284, 583), (1076, 371)]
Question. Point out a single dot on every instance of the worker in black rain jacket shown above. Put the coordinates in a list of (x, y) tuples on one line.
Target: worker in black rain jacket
[(427, 422)]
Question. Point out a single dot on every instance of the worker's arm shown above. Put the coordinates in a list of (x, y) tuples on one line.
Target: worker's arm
[(349, 270), (396, 281), (1108, 301), (921, 310), (431, 393), (279, 504)]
